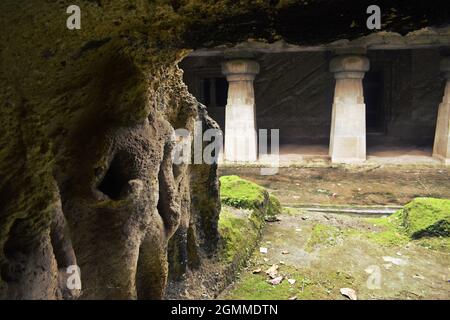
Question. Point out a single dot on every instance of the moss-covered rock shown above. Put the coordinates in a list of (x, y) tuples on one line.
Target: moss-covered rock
[(241, 193), (240, 231), (246, 207), (274, 206), (425, 220), (425, 217)]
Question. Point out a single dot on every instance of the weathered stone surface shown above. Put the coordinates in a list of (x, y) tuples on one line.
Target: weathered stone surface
[(86, 132), (348, 119), (240, 126), (441, 148)]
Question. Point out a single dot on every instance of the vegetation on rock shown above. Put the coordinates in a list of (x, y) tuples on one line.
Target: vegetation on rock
[(424, 220), (246, 206), (240, 231), (240, 193), (425, 217)]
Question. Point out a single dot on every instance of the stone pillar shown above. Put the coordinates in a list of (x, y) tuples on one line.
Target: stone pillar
[(348, 121), (441, 149), (240, 122)]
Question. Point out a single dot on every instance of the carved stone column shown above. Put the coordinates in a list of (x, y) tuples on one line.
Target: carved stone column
[(348, 127), (240, 122), (441, 149)]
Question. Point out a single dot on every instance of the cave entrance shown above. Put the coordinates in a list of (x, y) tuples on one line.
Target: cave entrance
[(213, 94), (205, 81), (373, 96), (402, 93), (293, 91)]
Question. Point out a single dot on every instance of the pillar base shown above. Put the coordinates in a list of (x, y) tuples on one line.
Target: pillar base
[(442, 159), (348, 133), (348, 150)]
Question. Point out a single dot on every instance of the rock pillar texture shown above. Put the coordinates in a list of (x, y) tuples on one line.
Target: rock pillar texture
[(240, 119), (441, 148), (348, 119)]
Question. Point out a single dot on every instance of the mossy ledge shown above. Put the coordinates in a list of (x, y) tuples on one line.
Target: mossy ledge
[(425, 221), (240, 193), (426, 217), (246, 206)]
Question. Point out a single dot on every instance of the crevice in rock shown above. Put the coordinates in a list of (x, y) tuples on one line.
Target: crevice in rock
[(115, 179)]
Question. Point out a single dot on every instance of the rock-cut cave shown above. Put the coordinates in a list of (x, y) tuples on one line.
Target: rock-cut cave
[(87, 176)]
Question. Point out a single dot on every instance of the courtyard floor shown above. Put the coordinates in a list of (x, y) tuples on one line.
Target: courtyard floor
[(322, 252), (380, 185)]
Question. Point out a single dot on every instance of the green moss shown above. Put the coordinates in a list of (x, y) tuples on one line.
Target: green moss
[(388, 238), (240, 193), (274, 206), (239, 234), (322, 235), (391, 233), (422, 217), (435, 243), (245, 207), (309, 285), (425, 217)]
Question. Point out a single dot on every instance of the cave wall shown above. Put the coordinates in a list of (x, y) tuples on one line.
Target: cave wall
[(87, 139), (86, 132), (294, 93)]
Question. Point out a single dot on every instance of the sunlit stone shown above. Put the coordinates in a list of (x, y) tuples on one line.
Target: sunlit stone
[(348, 127), (441, 148), (240, 124)]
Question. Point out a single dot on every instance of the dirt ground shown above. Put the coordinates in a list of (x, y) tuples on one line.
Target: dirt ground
[(343, 258), (361, 185)]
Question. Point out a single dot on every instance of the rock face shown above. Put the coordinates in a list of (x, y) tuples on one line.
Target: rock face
[(86, 135)]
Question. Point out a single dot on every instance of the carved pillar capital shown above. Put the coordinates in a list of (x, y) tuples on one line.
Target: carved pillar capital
[(240, 69), (349, 66)]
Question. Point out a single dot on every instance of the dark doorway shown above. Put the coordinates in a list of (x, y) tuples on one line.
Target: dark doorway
[(373, 96), (214, 93), (221, 91)]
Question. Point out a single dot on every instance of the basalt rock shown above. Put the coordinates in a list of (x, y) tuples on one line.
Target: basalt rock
[(87, 130)]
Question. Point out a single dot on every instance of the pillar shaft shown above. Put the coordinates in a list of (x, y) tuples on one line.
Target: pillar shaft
[(348, 127), (441, 149), (240, 122)]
